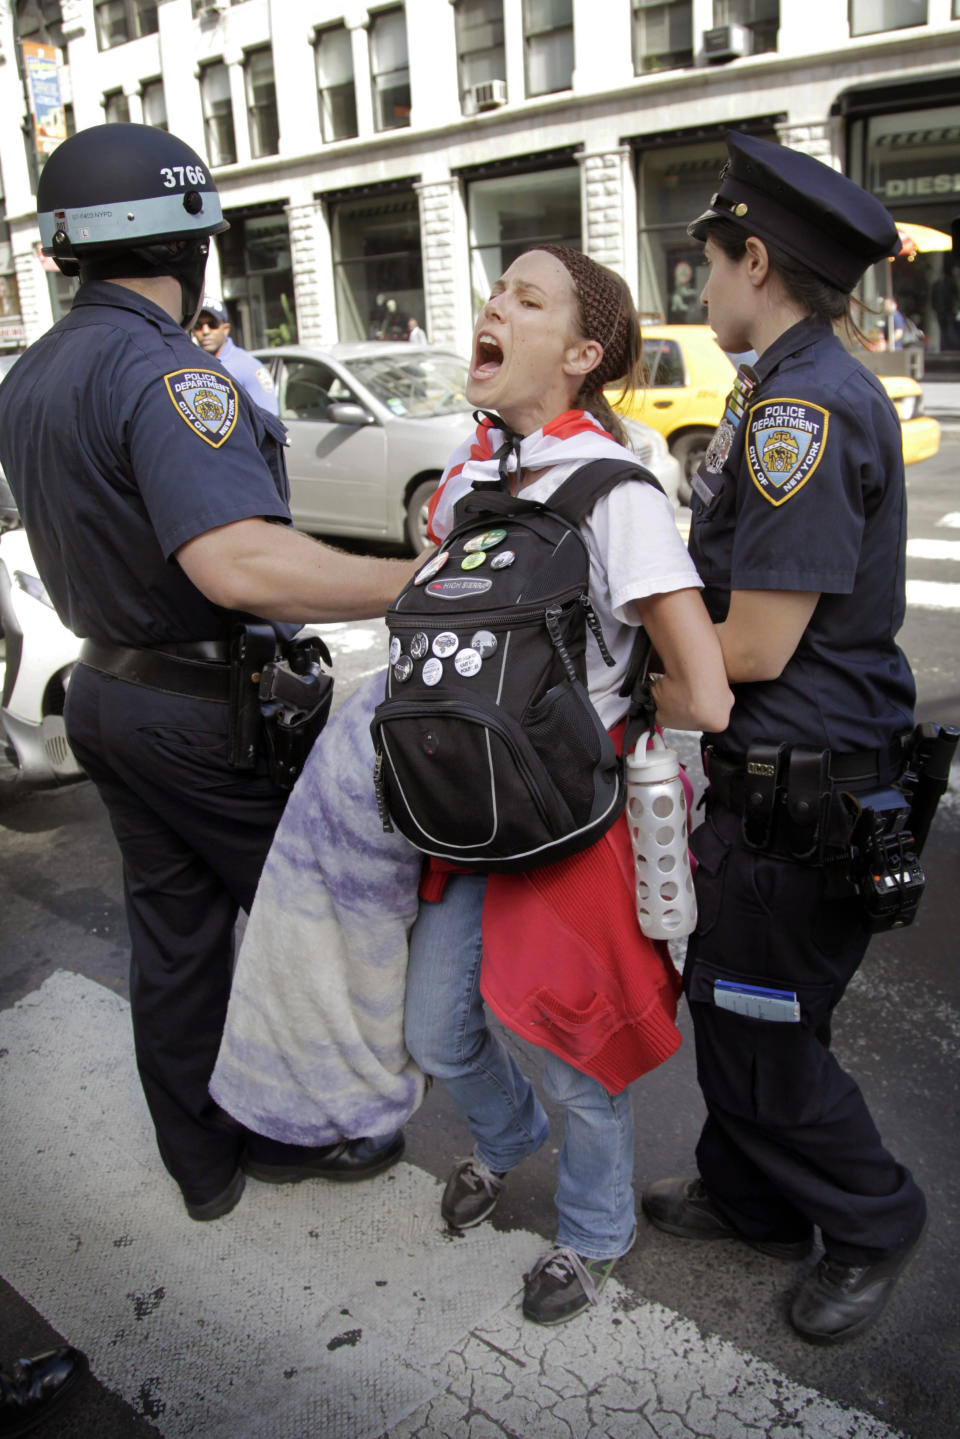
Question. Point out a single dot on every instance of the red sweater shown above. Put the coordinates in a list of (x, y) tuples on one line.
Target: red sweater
[(566, 965)]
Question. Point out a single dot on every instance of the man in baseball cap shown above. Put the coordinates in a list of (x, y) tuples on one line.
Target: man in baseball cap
[(211, 330)]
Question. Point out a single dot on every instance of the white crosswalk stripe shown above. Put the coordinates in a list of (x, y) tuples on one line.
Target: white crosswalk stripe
[(322, 1311)]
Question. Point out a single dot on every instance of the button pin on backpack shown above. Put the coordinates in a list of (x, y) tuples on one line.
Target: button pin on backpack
[(484, 642), (445, 643)]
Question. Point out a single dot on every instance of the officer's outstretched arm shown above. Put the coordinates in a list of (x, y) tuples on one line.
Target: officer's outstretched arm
[(762, 631), (278, 573)]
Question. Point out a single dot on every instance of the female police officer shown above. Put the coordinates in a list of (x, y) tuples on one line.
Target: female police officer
[(798, 532), (155, 497)]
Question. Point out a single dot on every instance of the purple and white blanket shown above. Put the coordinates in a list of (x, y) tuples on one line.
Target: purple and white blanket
[(313, 1048)]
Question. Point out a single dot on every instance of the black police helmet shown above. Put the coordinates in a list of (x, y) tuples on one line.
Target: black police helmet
[(116, 187)]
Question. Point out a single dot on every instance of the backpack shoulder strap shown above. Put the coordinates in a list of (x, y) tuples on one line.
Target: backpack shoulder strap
[(578, 494)]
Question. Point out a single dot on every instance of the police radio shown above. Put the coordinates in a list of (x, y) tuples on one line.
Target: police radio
[(891, 828)]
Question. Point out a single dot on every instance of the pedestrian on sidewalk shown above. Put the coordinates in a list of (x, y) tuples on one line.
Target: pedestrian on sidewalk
[(155, 497), (799, 530), (557, 328)]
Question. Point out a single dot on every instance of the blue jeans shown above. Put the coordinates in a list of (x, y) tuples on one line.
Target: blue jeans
[(446, 1032)]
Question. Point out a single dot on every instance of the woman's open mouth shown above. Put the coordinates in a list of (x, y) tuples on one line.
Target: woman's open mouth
[(487, 357)]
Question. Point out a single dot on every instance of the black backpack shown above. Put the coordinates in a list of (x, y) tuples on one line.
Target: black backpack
[(489, 752)]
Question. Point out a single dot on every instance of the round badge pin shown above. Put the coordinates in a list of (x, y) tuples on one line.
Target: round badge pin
[(467, 663), (403, 669), (472, 545), (485, 643), (504, 558), (470, 562), (419, 645), (432, 567), (491, 538), (445, 643), (432, 672), (394, 650)]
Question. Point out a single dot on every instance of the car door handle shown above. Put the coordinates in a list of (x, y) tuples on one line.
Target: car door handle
[(662, 404)]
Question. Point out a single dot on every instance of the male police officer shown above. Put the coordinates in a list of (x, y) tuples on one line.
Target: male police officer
[(155, 496), (211, 330)]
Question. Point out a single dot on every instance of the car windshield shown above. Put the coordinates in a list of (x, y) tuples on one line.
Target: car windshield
[(423, 385)]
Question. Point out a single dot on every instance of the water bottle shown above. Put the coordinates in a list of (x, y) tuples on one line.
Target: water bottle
[(657, 816)]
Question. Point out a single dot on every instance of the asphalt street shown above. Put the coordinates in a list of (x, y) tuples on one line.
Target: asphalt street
[(317, 1312)]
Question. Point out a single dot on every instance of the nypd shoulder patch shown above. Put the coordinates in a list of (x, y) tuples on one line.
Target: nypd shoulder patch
[(785, 442), (206, 401)]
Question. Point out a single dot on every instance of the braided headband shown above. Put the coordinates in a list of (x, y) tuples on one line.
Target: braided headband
[(604, 307)]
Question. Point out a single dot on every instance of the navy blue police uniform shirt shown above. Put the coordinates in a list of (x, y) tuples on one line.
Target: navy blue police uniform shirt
[(120, 444), (809, 494)]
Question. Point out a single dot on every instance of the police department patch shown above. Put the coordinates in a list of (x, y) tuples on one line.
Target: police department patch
[(206, 401), (785, 443)]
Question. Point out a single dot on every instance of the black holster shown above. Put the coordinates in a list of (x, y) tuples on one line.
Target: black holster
[(280, 699)]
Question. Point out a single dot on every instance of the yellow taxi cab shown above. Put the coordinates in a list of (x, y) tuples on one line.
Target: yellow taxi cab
[(690, 378)]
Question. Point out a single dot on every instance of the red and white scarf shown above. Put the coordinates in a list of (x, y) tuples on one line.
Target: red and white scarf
[(569, 439)]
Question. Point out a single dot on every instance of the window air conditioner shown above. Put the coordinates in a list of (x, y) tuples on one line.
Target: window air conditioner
[(726, 42), (489, 94)]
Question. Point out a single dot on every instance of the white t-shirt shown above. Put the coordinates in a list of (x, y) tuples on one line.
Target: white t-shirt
[(635, 550)]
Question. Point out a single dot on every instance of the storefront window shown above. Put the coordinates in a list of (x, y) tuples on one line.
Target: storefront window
[(512, 212), (378, 269), (662, 34), (870, 17), (674, 186), (911, 165), (258, 276), (335, 84)]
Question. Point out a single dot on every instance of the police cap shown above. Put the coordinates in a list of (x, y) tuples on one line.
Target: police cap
[(216, 311), (813, 213)]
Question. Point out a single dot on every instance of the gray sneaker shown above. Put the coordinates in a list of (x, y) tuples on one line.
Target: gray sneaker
[(562, 1284), (471, 1194)]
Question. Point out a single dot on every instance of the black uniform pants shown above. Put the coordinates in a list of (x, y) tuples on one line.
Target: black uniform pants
[(194, 834), (788, 1142)]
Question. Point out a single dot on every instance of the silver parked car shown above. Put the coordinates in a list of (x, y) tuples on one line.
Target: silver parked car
[(372, 425)]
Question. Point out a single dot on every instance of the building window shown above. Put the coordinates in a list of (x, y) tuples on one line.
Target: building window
[(116, 108), (760, 17), (870, 17), (262, 103), (335, 85), (121, 20), (258, 274), (378, 269), (389, 72), (662, 35), (154, 105), (510, 213), (218, 115), (548, 45), (481, 58), (673, 185)]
